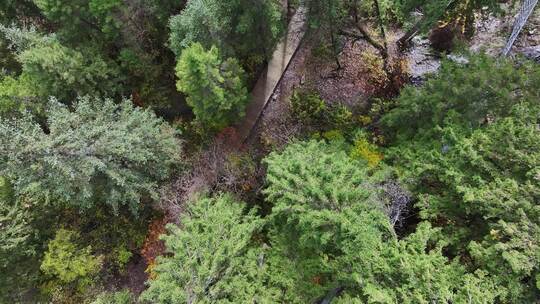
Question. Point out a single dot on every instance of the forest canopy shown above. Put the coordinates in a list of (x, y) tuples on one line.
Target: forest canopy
[(268, 151)]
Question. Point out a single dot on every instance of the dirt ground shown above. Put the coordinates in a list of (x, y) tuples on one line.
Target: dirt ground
[(348, 86), (351, 85)]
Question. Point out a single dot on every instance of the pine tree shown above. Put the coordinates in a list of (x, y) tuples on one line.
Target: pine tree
[(243, 29), (214, 88), (469, 140), (328, 233), (49, 68), (100, 152), (213, 258), (17, 251)]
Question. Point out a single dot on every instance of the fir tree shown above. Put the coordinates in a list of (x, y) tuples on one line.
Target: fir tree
[(214, 88), (100, 152)]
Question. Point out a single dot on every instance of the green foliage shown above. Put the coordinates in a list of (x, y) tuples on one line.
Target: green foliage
[(56, 70), (65, 262), (470, 140), (17, 250), (340, 117), (119, 297), (307, 106), (328, 231), (469, 95), (85, 16), (17, 95), (115, 236), (363, 149), (122, 256), (373, 68), (50, 68), (212, 258), (244, 29), (215, 88), (93, 37), (15, 233), (24, 226), (100, 152), (300, 174)]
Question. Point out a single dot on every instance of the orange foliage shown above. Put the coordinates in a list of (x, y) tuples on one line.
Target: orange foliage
[(153, 246)]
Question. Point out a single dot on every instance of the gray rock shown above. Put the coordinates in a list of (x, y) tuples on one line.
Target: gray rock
[(532, 52)]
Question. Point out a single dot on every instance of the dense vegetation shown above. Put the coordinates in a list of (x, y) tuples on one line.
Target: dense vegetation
[(123, 179)]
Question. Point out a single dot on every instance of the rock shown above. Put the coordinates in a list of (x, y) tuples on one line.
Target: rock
[(417, 81), (532, 52), (458, 59)]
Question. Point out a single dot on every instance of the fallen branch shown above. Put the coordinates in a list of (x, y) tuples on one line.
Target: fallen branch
[(363, 35)]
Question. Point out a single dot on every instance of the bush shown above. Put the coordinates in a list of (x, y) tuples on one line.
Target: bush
[(66, 263), (307, 106), (340, 117), (364, 150), (118, 297)]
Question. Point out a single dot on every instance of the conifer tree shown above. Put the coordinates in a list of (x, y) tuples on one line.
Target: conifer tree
[(213, 258), (329, 233), (244, 29), (99, 153), (469, 140), (215, 88)]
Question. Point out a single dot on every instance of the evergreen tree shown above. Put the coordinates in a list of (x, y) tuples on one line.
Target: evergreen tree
[(214, 88), (17, 250), (126, 36), (469, 139), (244, 29), (213, 258), (329, 232), (49, 68), (100, 152)]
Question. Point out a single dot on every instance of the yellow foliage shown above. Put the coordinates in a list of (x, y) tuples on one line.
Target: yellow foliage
[(374, 67), (152, 275), (364, 150), (364, 120), (333, 135)]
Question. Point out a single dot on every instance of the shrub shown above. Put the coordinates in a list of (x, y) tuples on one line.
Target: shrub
[(363, 149), (118, 297), (340, 117), (66, 263), (307, 106), (373, 67)]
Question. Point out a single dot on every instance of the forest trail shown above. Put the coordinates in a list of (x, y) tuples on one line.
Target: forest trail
[(271, 76)]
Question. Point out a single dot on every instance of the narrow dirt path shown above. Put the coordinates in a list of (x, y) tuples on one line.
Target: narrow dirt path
[(271, 76)]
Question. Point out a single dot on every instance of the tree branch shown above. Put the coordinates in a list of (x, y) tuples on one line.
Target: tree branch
[(362, 35)]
